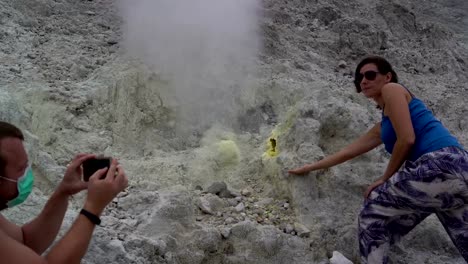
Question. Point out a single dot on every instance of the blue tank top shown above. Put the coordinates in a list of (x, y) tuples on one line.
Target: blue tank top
[(430, 134)]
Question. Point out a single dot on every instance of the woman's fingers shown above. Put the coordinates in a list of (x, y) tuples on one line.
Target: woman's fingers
[(298, 171)]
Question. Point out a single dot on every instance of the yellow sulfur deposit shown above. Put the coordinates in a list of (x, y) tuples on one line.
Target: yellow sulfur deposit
[(228, 152)]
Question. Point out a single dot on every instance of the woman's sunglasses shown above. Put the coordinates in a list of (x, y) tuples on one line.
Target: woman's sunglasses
[(369, 75)]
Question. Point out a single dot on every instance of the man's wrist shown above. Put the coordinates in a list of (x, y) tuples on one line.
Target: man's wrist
[(93, 209), (61, 192), (91, 216)]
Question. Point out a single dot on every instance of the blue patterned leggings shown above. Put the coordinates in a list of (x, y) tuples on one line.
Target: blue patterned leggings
[(435, 183)]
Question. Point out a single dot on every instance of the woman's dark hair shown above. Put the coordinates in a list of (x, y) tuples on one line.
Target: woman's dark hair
[(383, 66), (8, 130)]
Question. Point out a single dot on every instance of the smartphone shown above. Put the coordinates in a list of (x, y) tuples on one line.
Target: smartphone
[(90, 166)]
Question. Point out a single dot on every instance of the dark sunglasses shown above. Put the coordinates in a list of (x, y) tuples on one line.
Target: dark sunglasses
[(369, 75)]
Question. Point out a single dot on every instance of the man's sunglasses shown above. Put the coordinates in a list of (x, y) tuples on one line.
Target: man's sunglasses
[(369, 75)]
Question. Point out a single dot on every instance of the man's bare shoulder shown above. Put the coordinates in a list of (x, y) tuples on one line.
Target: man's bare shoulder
[(14, 252), (11, 230)]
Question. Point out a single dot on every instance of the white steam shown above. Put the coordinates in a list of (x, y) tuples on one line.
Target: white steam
[(205, 48)]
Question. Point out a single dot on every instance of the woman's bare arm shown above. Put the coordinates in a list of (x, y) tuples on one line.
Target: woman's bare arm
[(363, 144)]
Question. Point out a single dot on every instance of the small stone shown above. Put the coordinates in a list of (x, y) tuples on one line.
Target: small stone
[(342, 64), (217, 188), (229, 220), (90, 13), (264, 202), (240, 207), (288, 229), (198, 187), (286, 205), (226, 194), (225, 232), (338, 258), (204, 206), (112, 42), (15, 70), (233, 202), (235, 193), (168, 256), (199, 218), (301, 230), (259, 219), (258, 211), (243, 214), (129, 222), (219, 214), (247, 191), (238, 198)]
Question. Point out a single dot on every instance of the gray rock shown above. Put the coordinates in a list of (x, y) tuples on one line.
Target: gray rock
[(301, 230), (205, 206), (240, 207), (207, 239), (264, 202), (225, 232), (242, 229), (226, 194), (217, 188), (229, 220), (288, 229), (342, 64), (233, 202), (163, 115), (338, 258), (247, 191)]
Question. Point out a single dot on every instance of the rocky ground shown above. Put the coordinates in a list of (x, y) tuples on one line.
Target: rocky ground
[(215, 195)]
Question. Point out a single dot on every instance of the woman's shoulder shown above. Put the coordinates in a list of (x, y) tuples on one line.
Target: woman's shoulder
[(391, 89)]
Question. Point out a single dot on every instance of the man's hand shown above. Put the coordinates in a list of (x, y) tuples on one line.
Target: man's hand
[(72, 182), (101, 191), (372, 187)]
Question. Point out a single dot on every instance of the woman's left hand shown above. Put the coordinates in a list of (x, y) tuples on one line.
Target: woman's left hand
[(373, 186)]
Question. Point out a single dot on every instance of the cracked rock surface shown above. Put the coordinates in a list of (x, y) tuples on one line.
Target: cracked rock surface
[(213, 194)]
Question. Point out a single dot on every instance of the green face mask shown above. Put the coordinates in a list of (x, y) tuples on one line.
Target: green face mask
[(24, 184)]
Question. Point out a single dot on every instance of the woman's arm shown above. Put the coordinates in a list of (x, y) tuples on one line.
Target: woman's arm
[(396, 102), (396, 99), (363, 144)]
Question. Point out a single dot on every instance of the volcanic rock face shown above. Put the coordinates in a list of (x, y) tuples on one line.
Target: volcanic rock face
[(203, 191)]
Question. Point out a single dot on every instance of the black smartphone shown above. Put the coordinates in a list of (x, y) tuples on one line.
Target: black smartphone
[(90, 166)]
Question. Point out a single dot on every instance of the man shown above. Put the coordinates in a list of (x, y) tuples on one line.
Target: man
[(26, 244)]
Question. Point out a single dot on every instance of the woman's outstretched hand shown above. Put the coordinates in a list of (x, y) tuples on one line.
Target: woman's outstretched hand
[(302, 170)]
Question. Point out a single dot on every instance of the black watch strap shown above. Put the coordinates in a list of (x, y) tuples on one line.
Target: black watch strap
[(92, 217)]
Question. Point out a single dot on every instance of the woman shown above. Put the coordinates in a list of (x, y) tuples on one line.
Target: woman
[(427, 172)]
